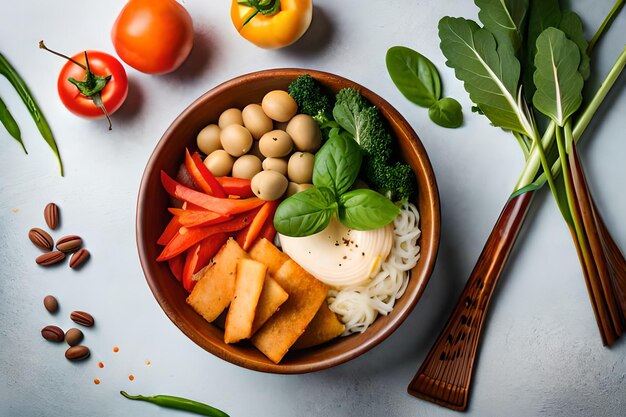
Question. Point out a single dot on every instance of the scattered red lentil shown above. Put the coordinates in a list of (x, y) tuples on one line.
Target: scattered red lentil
[(131, 377), (100, 365), (147, 363), (116, 349), (96, 381)]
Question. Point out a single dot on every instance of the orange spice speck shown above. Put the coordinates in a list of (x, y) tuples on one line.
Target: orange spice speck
[(147, 363), (131, 377), (100, 365), (116, 349), (16, 210), (96, 381)]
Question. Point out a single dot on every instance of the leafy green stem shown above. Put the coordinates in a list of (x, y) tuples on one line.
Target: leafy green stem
[(523, 143), (605, 24), (529, 173)]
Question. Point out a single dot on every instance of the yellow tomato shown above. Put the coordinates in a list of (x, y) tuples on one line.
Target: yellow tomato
[(276, 30)]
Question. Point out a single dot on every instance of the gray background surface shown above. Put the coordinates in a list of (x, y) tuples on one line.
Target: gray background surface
[(541, 352)]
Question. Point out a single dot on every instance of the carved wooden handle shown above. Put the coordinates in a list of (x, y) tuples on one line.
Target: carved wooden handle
[(446, 374)]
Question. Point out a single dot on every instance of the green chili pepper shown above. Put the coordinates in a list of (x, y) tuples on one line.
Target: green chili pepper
[(10, 124), (179, 403), (20, 86)]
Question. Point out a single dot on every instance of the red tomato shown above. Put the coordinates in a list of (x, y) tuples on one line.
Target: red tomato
[(153, 36), (113, 94)]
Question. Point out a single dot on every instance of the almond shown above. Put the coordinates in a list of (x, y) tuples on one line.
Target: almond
[(50, 258), (73, 336), (69, 243), (78, 258), (41, 239), (53, 333), (51, 304), (83, 318), (51, 215), (77, 353)]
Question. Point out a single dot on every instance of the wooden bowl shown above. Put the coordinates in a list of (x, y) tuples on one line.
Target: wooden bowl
[(152, 216)]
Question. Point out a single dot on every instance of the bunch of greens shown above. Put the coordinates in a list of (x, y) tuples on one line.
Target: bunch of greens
[(336, 167), (350, 113), (418, 80), (9, 122), (528, 62)]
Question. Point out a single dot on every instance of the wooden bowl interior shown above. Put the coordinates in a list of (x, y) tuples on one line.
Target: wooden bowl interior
[(152, 216)]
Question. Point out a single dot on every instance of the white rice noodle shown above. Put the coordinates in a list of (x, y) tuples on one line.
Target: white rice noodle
[(358, 306)]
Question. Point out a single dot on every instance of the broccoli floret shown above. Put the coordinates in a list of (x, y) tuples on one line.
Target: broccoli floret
[(312, 99), (365, 123), (397, 182)]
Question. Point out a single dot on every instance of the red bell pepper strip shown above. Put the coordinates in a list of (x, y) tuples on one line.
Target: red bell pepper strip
[(218, 205), (170, 231), (209, 248), (191, 260), (195, 218), (207, 176), (187, 237), (266, 212), (236, 186), (177, 265), (195, 175)]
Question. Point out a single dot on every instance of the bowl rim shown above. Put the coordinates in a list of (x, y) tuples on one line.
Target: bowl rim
[(428, 257)]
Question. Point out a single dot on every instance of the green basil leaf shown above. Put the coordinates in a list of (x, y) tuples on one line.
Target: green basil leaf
[(337, 163), (365, 209), (305, 213), (446, 112), (558, 82), (414, 75)]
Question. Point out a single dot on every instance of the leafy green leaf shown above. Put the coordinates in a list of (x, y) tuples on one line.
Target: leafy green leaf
[(542, 14), (337, 163), (446, 112), (505, 19), (490, 74), (11, 125), (365, 209), (558, 82), (414, 75), (305, 213), (572, 26)]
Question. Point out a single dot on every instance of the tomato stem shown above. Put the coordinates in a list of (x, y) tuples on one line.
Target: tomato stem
[(97, 97), (43, 46)]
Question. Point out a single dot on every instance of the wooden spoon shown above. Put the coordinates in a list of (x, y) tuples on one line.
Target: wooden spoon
[(446, 374)]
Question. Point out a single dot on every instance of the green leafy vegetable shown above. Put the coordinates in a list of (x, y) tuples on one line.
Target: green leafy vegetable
[(414, 75), (365, 209), (337, 163), (554, 54), (18, 83), (10, 124), (446, 112), (505, 19), (558, 82), (490, 73), (572, 26), (306, 213), (542, 14)]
